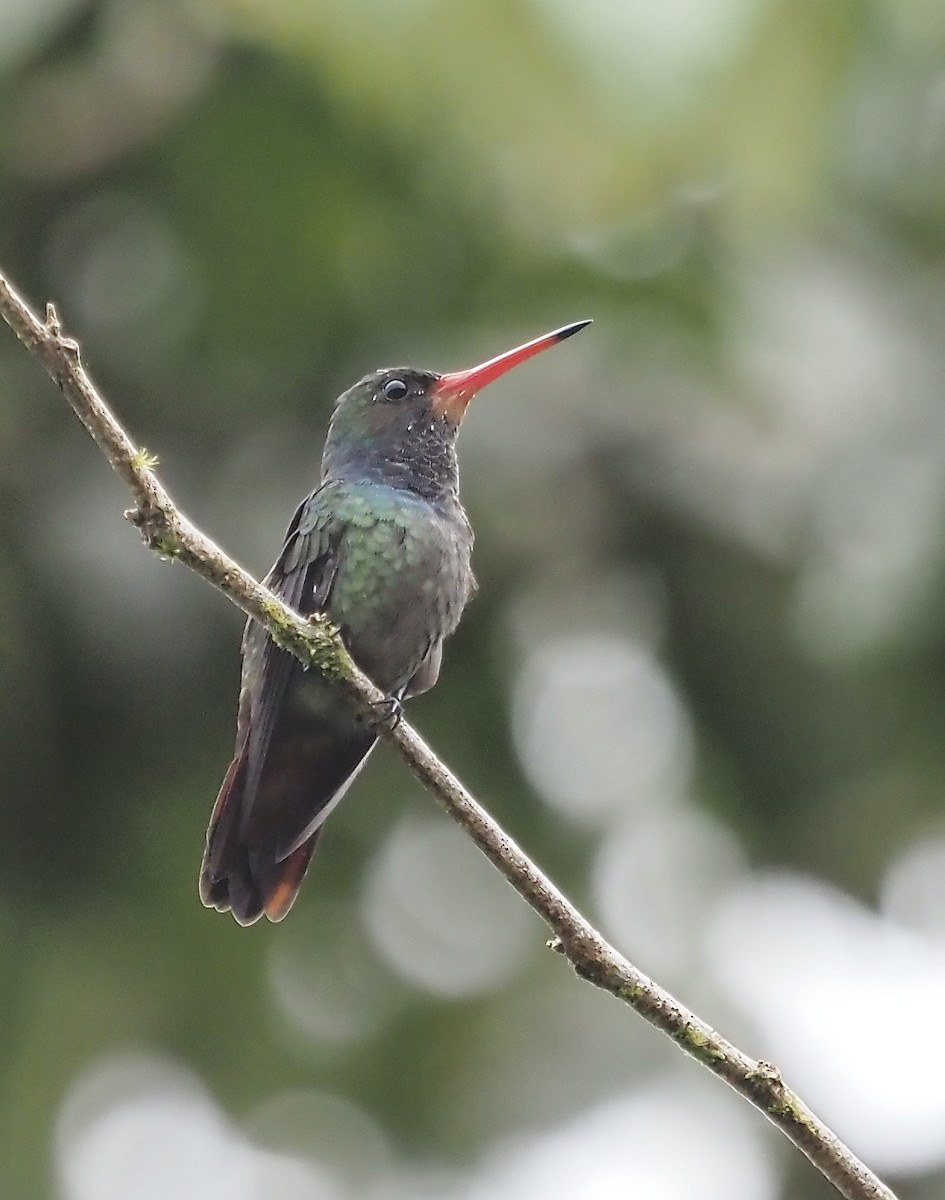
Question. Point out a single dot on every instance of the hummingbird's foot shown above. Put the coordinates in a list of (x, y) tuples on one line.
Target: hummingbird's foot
[(388, 714)]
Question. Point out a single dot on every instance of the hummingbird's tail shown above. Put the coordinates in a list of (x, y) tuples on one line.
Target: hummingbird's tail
[(230, 879), (263, 830)]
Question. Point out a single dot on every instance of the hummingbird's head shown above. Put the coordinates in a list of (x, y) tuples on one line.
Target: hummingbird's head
[(399, 424)]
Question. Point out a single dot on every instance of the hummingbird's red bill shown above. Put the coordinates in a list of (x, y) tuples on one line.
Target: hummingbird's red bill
[(452, 392)]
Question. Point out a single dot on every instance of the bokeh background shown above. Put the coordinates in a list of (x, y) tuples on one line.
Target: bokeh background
[(703, 681)]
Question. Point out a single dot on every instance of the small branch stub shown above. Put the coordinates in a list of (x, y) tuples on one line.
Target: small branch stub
[(68, 347)]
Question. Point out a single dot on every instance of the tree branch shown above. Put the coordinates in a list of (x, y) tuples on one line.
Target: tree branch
[(317, 644)]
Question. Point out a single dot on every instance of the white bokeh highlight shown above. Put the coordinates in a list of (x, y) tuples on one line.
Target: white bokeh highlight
[(913, 889), (311, 1124), (142, 1127), (439, 914), (326, 980), (665, 1141), (656, 881), (24, 26), (847, 1003), (662, 46), (599, 727), (876, 552)]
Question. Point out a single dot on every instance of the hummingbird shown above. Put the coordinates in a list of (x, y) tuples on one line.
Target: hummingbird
[(382, 548)]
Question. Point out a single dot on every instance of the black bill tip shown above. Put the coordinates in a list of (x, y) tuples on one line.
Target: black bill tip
[(567, 331)]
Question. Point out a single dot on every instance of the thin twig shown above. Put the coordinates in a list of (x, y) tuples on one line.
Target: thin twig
[(317, 644)]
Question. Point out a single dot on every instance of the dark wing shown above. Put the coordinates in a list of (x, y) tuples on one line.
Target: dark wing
[(302, 577), (238, 871)]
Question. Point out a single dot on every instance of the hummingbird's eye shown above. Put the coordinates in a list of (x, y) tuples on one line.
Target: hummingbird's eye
[(395, 389)]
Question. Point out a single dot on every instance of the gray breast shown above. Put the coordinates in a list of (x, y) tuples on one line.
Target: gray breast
[(404, 592)]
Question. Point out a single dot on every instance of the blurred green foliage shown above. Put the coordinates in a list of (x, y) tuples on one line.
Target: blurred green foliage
[(241, 207)]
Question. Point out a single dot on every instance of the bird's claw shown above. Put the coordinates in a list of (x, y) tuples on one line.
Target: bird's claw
[(387, 714)]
